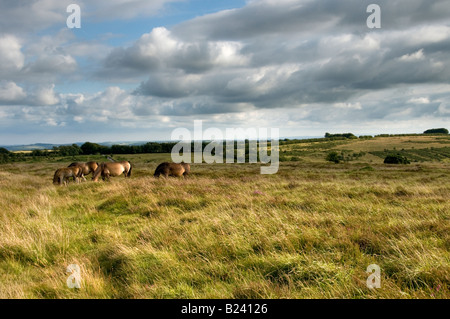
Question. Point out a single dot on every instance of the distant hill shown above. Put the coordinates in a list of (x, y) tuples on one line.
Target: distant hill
[(47, 146), (31, 147)]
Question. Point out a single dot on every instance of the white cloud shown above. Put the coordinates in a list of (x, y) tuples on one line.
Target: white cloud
[(444, 109), (11, 92), (419, 100), (355, 106), (416, 56), (57, 64), (45, 96), (159, 49), (429, 34), (11, 56)]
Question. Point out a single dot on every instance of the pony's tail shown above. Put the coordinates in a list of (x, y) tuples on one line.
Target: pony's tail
[(129, 172)]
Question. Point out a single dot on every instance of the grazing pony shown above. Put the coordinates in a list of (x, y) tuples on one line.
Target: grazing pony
[(112, 169), (88, 167), (173, 169), (62, 175)]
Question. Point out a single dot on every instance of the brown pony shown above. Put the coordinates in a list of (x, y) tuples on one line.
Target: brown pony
[(63, 174), (173, 169), (88, 167), (112, 169)]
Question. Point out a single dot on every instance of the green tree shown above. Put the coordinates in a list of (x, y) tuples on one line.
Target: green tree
[(69, 150), (436, 131), (93, 148), (37, 153), (342, 135)]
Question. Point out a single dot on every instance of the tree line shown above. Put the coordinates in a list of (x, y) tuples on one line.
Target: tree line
[(89, 148)]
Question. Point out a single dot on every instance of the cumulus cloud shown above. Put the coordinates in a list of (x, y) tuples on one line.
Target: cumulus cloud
[(45, 96), (413, 56), (11, 93), (54, 64), (159, 49), (356, 106), (11, 56), (282, 61), (419, 100)]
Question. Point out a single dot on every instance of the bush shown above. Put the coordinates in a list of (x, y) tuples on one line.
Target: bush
[(4, 158), (333, 157), (69, 150), (396, 159), (344, 135), (436, 131)]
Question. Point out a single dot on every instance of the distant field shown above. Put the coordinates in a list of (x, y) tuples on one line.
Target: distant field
[(309, 231), (416, 148)]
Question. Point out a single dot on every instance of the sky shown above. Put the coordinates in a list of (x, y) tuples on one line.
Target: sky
[(137, 70)]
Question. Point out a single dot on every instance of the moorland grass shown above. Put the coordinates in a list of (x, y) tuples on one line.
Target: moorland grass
[(309, 231)]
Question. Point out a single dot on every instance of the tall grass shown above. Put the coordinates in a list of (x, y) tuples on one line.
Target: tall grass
[(309, 231)]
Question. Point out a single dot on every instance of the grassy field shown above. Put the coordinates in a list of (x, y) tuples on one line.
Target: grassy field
[(309, 231)]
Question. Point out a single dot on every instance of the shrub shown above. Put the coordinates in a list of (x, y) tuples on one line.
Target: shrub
[(4, 158), (396, 159), (333, 157)]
